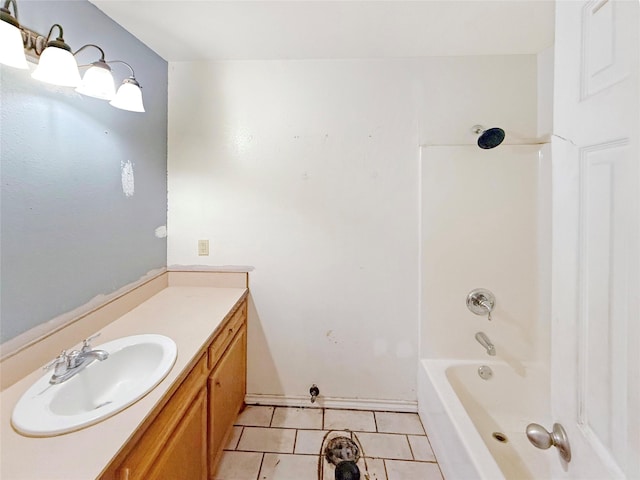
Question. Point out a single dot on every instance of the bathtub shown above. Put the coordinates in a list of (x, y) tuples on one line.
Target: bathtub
[(461, 412)]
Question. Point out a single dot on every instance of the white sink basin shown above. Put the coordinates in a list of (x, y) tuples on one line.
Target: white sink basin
[(135, 365)]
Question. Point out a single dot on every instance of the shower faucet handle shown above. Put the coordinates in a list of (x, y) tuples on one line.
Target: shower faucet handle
[(481, 302)]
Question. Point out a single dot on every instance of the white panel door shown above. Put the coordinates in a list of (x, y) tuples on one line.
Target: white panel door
[(595, 252)]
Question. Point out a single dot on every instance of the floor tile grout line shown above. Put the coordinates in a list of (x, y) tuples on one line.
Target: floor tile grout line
[(312, 429), (295, 440), (432, 451), (424, 431), (273, 414), (260, 469), (239, 437), (291, 428), (375, 421), (368, 457), (389, 433), (413, 455), (235, 447)]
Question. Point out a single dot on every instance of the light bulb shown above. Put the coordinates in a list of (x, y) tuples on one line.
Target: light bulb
[(129, 96), (98, 82), (58, 67), (12, 52)]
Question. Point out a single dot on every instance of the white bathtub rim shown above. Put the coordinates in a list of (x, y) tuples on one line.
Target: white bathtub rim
[(477, 450), (466, 431), (450, 452)]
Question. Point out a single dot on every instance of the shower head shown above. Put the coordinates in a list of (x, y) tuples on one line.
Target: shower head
[(489, 138)]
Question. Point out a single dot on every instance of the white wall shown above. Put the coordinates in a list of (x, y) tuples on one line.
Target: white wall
[(309, 172), (545, 92), (456, 93)]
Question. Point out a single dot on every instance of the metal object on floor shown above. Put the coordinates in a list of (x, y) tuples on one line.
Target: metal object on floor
[(347, 471), (341, 449), (344, 454)]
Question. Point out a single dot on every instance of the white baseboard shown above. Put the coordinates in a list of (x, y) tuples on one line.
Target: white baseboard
[(403, 406)]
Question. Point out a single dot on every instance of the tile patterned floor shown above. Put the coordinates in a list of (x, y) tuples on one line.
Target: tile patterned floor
[(278, 443)]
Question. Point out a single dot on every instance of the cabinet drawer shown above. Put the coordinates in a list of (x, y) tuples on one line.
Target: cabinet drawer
[(227, 333)]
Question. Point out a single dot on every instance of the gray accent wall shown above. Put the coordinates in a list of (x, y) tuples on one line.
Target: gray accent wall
[(73, 224)]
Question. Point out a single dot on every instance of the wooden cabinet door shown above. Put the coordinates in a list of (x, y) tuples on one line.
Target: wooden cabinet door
[(227, 388), (175, 445), (184, 455)]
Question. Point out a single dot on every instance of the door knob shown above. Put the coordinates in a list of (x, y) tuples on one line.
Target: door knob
[(541, 438)]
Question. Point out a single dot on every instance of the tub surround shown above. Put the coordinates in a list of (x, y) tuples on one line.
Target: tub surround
[(479, 228), (190, 315)]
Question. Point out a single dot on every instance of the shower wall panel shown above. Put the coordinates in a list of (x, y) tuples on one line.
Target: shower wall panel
[(480, 229)]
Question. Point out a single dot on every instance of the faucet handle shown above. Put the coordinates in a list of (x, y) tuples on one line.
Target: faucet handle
[(481, 301), (86, 343), (56, 363)]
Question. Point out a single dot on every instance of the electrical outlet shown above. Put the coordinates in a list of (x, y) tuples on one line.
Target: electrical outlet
[(203, 248)]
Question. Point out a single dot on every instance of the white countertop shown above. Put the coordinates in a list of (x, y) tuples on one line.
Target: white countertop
[(189, 315)]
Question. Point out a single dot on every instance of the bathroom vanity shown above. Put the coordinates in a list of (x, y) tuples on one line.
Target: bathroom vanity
[(179, 428), (184, 437)]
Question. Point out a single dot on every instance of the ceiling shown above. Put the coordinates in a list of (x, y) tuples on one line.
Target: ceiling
[(296, 29)]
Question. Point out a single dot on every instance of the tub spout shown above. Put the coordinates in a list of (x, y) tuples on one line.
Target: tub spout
[(483, 340)]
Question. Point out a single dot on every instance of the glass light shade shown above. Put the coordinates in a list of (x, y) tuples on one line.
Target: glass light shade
[(98, 83), (129, 96), (58, 67), (12, 51)]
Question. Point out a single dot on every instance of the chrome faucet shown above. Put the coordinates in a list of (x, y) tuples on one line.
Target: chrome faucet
[(483, 340), (67, 365), (486, 304), (481, 302)]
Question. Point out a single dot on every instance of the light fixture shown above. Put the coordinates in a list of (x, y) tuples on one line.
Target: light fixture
[(129, 95), (57, 64), (97, 81), (12, 52)]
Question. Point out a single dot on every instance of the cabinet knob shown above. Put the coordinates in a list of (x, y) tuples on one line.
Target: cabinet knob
[(218, 384)]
